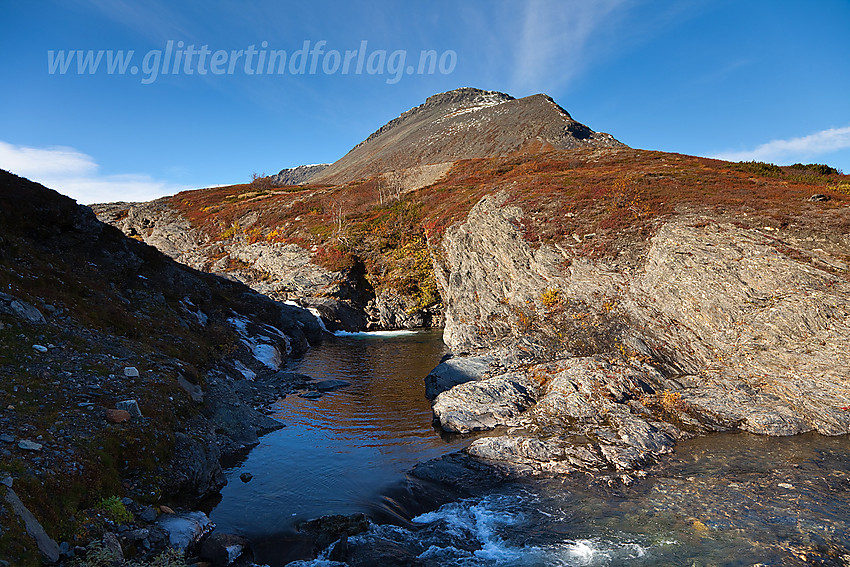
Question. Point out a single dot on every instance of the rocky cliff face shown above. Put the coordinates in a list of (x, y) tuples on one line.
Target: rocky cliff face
[(298, 175), (284, 272), (307, 244), (607, 363)]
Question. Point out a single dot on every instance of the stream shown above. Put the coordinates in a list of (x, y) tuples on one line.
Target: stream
[(725, 499)]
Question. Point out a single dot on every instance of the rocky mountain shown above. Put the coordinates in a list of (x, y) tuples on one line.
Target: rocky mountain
[(462, 124), (298, 175)]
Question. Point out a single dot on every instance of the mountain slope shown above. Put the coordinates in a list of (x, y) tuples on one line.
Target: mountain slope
[(462, 124), (90, 318)]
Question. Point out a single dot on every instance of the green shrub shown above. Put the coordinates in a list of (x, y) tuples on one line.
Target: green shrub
[(758, 168), (818, 168), (115, 510)]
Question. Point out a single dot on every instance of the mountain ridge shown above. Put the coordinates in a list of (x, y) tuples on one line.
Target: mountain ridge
[(463, 123)]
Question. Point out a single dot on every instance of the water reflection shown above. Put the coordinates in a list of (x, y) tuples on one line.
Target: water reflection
[(337, 452)]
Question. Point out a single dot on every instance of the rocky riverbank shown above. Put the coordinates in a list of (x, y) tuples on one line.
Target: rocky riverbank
[(603, 365), (127, 380)]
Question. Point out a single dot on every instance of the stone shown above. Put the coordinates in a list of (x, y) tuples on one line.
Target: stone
[(378, 551), (47, 546), (328, 529), (6, 438), (117, 416), (40, 348), (329, 385), (131, 372), (147, 514), (222, 549), (185, 529), (485, 404), (7, 481), (131, 407), (310, 395), (246, 477), (454, 371), (165, 509), (819, 198), (138, 534), (17, 307), (28, 445), (112, 549), (194, 468)]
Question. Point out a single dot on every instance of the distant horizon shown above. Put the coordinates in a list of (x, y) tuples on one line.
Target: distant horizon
[(124, 102)]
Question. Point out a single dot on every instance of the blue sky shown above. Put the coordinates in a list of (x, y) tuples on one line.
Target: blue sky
[(765, 80)]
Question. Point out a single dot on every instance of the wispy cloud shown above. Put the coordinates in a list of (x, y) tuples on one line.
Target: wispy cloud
[(795, 149), (555, 39), (156, 20), (76, 175)]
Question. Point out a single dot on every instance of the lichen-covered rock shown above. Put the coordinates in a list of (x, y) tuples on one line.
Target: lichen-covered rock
[(738, 333), (485, 404), (21, 309), (454, 371)]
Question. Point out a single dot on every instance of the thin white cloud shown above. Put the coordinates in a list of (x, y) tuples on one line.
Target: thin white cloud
[(75, 174), (795, 149), (554, 40)]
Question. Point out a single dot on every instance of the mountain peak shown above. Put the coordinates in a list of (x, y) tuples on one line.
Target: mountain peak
[(466, 95), (463, 123)]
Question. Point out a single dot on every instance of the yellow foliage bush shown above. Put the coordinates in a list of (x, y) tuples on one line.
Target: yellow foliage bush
[(551, 297)]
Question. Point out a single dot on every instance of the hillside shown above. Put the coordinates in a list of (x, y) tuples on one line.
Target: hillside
[(346, 248), (90, 319), (601, 304)]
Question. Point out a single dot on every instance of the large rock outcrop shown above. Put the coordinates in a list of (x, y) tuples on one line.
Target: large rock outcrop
[(718, 328), (284, 272), (298, 175)]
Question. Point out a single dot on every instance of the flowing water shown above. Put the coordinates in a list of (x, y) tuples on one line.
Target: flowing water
[(730, 499)]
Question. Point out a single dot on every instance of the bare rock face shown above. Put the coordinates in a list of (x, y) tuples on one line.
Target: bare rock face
[(491, 272), (277, 270), (766, 334), (390, 310), (724, 332), (157, 224), (461, 124), (298, 175), (485, 404)]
